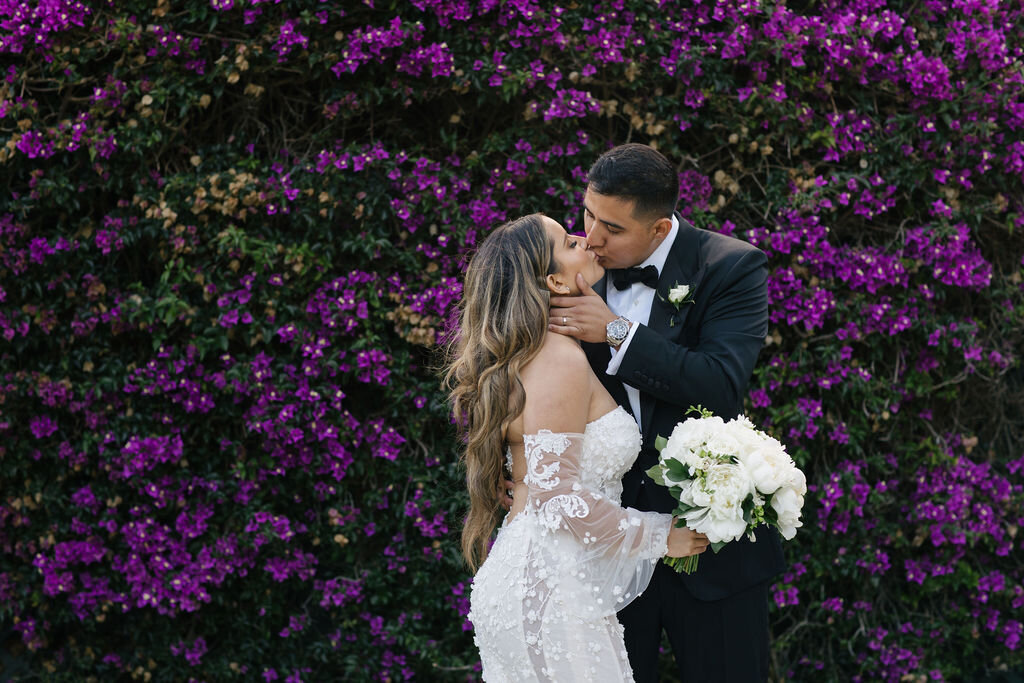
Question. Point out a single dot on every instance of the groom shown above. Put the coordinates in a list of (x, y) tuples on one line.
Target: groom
[(657, 356)]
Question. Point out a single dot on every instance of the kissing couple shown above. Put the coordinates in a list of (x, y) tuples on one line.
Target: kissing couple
[(571, 357)]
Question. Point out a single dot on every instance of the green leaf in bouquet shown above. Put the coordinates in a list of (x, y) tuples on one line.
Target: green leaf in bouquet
[(683, 508), (754, 518), (753, 514), (659, 442), (718, 546), (677, 471), (655, 474)]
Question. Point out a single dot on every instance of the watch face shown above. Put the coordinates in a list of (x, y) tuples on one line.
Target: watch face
[(617, 329)]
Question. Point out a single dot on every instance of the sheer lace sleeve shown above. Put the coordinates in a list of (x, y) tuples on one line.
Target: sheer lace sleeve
[(618, 547)]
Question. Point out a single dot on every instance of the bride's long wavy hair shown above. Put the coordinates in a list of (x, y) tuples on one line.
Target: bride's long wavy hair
[(503, 319)]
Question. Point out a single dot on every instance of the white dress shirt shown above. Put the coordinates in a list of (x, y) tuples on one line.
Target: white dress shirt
[(635, 304)]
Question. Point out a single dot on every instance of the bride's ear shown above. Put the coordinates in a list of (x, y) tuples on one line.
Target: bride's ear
[(557, 286)]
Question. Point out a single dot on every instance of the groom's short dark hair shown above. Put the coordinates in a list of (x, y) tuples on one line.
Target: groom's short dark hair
[(639, 173)]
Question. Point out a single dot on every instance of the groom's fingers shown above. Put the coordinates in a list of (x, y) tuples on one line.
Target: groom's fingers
[(581, 282), (571, 322), (583, 317), (560, 324)]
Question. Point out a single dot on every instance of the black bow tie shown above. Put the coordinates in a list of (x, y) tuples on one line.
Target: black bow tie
[(648, 275)]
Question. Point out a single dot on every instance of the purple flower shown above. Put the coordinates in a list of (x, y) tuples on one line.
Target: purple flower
[(42, 426), (34, 145), (570, 103)]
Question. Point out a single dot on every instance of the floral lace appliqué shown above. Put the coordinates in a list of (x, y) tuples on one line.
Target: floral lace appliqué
[(559, 507), (536, 445)]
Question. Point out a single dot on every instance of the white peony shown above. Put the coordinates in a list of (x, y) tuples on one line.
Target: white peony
[(687, 440), (797, 481), (770, 467), (719, 529), (743, 421), (693, 433), (724, 443), (719, 503), (743, 430), (787, 503)]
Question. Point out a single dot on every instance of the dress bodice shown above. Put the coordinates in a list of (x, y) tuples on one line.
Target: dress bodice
[(611, 444)]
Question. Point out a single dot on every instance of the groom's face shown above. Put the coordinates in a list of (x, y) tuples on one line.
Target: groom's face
[(620, 239)]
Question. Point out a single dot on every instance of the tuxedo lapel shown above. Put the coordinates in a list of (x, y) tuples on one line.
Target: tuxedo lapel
[(684, 266)]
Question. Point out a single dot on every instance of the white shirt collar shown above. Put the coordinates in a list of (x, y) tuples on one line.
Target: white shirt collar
[(660, 255)]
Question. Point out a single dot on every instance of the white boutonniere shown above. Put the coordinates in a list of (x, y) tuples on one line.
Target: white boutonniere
[(678, 296)]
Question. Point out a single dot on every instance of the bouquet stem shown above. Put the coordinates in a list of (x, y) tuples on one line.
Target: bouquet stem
[(686, 564)]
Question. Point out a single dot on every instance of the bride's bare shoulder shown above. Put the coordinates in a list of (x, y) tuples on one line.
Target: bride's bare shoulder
[(558, 387)]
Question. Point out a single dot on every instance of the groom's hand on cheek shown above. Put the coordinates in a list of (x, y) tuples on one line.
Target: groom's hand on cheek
[(584, 317)]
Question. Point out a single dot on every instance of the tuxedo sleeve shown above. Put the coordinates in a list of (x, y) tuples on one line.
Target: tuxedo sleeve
[(714, 372)]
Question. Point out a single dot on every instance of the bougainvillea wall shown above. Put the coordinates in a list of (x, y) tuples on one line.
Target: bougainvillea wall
[(232, 232)]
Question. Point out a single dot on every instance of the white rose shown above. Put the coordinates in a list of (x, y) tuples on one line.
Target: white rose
[(787, 504), (678, 293)]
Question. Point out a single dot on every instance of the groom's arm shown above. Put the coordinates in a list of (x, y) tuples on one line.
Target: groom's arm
[(715, 371)]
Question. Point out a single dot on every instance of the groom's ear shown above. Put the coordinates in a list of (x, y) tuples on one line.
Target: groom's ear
[(556, 286), (662, 227)]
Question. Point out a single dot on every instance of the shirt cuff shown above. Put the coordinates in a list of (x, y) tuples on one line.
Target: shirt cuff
[(617, 354)]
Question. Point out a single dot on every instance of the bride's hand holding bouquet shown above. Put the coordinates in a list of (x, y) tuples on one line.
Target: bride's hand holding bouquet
[(684, 542)]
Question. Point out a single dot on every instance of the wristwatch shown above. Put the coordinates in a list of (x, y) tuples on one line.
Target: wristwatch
[(617, 331)]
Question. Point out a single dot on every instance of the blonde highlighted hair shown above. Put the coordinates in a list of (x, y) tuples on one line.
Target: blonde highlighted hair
[(503, 320)]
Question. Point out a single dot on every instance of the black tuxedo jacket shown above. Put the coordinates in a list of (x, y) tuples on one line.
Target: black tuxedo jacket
[(701, 353)]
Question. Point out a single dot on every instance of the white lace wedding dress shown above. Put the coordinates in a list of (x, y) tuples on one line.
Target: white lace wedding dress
[(543, 604)]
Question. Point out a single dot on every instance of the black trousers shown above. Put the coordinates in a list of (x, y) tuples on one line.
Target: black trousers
[(724, 641)]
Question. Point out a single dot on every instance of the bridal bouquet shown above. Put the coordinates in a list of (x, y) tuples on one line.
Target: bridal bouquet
[(728, 477)]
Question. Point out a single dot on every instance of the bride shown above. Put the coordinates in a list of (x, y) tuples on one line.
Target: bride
[(568, 555)]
